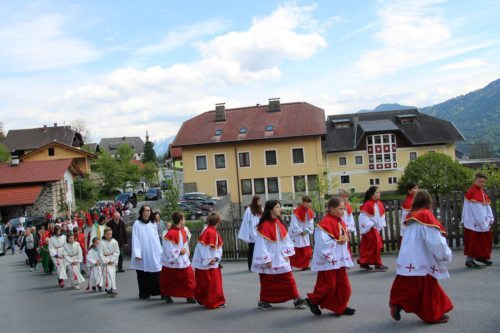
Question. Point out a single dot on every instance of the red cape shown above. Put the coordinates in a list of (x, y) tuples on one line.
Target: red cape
[(210, 237), (348, 208), (333, 226), (267, 229), (301, 213), (407, 203), (173, 235), (424, 216), (477, 194), (369, 207)]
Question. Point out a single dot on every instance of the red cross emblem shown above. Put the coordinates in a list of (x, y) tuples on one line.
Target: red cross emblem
[(363, 226), (327, 257), (288, 251), (434, 269), (334, 261), (476, 225), (275, 269), (262, 268), (409, 268), (171, 263)]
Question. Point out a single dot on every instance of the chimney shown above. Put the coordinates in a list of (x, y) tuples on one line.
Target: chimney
[(14, 161), (44, 128), (274, 105), (220, 112)]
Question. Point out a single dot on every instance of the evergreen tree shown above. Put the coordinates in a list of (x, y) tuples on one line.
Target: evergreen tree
[(149, 152)]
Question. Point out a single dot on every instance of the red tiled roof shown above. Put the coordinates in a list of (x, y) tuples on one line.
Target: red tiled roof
[(19, 195), (294, 120), (175, 152), (34, 171)]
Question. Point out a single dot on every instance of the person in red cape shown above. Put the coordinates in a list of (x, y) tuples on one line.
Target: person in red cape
[(301, 226), (477, 219), (271, 259), (176, 277), (331, 260), (207, 255), (421, 263), (371, 222), (411, 189)]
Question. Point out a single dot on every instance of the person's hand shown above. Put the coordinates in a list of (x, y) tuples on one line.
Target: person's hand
[(287, 259), (183, 251), (138, 259), (213, 261), (269, 264), (304, 233)]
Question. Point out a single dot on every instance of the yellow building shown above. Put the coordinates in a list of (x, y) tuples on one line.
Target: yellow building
[(373, 148), (271, 150), (58, 151)]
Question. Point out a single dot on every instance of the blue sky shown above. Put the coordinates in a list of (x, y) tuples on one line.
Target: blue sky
[(129, 66)]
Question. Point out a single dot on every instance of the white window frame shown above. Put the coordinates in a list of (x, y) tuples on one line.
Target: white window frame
[(391, 181), (303, 155), (227, 185), (409, 155), (196, 162), (277, 180), (265, 159), (375, 181), (346, 163), (225, 161), (362, 160), (251, 186), (249, 159)]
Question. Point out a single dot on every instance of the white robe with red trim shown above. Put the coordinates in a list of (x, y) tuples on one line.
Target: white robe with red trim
[(171, 256), (367, 222), (109, 252), (95, 275), (278, 252), (296, 229), (477, 216), (72, 258), (328, 254)]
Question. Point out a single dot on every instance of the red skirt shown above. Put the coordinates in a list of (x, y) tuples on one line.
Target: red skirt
[(478, 244), (177, 282), (302, 257), (332, 290), (278, 288), (208, 290), (421, 295), (370, 248)]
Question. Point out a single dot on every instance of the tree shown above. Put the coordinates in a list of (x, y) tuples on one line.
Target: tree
[(150, 173), (171, 202), (80, 125), (2, 135), (85, 188), (129, 172), (4, 154), (493, 174), (110, 172), (436, 172), (149, 152)]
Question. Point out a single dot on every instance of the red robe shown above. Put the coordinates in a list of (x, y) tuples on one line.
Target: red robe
[(302, 257), (177, 282), (478, 244), (332, 290), (81, 240), (208, 290), (371, 244), (267, 229), (421, 295), (407, 203)]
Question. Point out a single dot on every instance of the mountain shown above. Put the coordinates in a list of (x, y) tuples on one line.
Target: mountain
[(388, 107), (161, 145)]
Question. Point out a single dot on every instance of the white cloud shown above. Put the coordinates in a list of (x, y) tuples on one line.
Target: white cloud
[(412, 33), (40, 43), (467, 63)]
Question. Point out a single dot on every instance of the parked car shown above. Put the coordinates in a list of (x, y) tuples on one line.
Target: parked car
[(102, 203), (126, 197), (199, 197), (29, 221), (139, 189), (196, 204), (3, 241), (154, 193), (191, 213)]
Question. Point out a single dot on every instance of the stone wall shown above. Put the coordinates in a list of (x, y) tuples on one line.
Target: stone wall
[(49, 200)]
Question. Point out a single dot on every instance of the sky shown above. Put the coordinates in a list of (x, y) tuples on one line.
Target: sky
[(127, 67)]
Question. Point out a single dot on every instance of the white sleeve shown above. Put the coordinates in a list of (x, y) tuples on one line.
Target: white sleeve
[(244, 233), (91, 260), (294, 229), (52, 250), (103, 258), (326, 244), (436, 244), (170, 250), (310, 226), (204, 254), (80, 253), (136, 246), (261, 253), (116, 253), (365, 223)]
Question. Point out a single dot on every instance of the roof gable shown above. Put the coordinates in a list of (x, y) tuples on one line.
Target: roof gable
[(253, 123), (36, 171), (33, 138), (111, 145), (77, 152)]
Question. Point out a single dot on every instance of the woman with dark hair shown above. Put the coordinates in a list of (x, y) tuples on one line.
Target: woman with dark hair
[(421, 263), (248, 226), (146, 254), (331, 259), (371, 221), (56, 247), (273, 247), (411, 189)]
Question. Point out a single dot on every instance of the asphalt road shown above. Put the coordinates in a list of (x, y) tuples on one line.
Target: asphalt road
[(31, 302)]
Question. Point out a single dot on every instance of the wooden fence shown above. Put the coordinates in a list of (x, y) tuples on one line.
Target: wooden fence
[(447, 208)]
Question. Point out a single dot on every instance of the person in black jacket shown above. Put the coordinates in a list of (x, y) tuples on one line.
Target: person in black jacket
[(11, 233), (30, 244), (120, 234)]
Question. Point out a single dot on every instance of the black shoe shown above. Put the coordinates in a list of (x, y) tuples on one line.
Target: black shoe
[(113, 293), (367, 267), (313, 307), (120, 270), (264, 305), (396, 312), (485, 261), (190, 300), (168, 299), (349, 311), (471, 264), (94, 289), (381, 268), (100, 289), (299, 303), (82, 272)]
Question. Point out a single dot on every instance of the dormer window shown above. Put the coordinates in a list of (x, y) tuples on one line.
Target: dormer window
[(218, 132), (269, 128), (243, 130), (341, 123), (407, 118)]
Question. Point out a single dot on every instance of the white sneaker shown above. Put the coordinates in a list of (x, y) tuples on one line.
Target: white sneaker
[(77, 287)]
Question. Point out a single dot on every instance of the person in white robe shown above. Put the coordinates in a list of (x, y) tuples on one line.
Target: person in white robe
[(72, 258), (94, 265), (248, 228), (56, 245), (109, 252)]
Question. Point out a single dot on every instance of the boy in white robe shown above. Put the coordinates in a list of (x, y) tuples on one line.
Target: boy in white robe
[(94, 265), (72, 258), (56, 245), (109, 251)]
